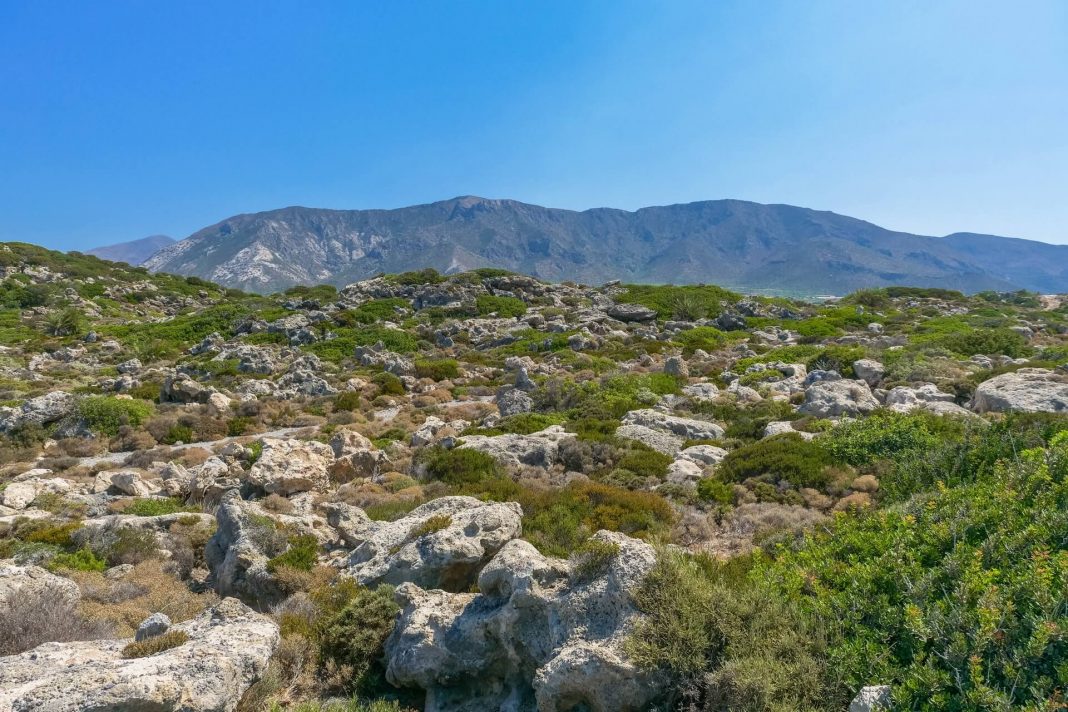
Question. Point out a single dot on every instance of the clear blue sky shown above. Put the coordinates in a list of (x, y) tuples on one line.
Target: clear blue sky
[(123, 119)]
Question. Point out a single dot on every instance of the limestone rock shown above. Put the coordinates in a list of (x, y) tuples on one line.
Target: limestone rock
[(631, 312), (1028, 390), (869, 371), (32, 581), (871, 699), (288, 466), (441, 544), (539, 449), (228, 649), (235, 553), (155, 624), (41, 410), (836, 398), (540, 635), (658, 440), (687, 428), (512, 401)]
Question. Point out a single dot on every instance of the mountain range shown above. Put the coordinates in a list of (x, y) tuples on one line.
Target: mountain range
[(737, 244), (133, 252)]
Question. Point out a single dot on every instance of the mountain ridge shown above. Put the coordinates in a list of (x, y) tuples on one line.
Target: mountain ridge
[(739, 244), (132, 252)]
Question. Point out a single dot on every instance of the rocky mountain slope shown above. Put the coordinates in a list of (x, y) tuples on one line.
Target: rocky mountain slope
[(133, 252), (483, 491), (742, 245)]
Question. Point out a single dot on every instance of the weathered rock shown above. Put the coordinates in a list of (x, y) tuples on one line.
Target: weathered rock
[(289, 466), (127, 482), (684, 471), (676, 366), (235, 553), (17, 582), (926, 397), (631, 312), (1028, 390), (180, 388), (872, 699), (688, 428), (869, 371), (441, 544), (701, 392), (355, 456), (541, 635), (512, 401), (778, 427), (704, 455), (41, 410), (658, 440), (228, 649), (836, 398), (155, 624), (539, 449)]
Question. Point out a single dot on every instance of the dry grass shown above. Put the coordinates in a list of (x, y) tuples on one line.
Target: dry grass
[(30, 620), (147, 589), (157, 644)]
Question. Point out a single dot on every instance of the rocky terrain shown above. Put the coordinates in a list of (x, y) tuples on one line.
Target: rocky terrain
[(488, 492), (744, 245)]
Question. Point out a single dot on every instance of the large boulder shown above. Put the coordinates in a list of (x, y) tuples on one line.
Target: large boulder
[(227, 650), (42, 410), (872, 699), (1028, 390), (355, 456), (869, 370), (904, 399), (686, 428), (441, 544), (287, 466), (659, 440), (512, 401), (631, 312), (538, 449), (836, 398), (542, 634)]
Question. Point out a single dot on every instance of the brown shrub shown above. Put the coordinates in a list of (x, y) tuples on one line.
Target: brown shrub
[(29, 620)]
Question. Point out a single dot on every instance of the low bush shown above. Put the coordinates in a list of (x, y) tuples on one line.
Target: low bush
[(156, 644), (354, 637), (302, 554), (504, 307), (106, 414), (154, 507), (460, 466), (388, 384), (47, 615), (437, 369), (788, 457)]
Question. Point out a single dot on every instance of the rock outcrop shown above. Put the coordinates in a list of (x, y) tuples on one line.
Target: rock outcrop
[(441, 544), (539, 449), (543, 634), (228, 648), (1028, 390), (289, 466), (837, 398)]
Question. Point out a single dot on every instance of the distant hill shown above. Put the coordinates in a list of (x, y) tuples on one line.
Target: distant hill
[(134, 252), (737, 244)]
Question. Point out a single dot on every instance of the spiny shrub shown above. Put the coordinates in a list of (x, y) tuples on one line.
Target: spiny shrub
[(788, 457), (154, 507), (437, 369), (460, 466), (388, 384), (106, 414), (354, 637), (504, 307)]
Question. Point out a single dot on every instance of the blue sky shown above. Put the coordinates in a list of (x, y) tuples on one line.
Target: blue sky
[(123, 119)]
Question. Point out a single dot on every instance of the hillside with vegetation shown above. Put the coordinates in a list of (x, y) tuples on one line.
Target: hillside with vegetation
[(482, 491)]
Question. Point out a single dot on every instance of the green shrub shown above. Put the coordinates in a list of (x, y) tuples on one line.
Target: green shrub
[(302, 554), (707, 338), (883, 435), (179, 434), (666, 300), (460, 466), (354, 637), (156, 644), (80, 560), (417, 277), (432, 524), (154, 507), (238, 425), (788, 457), (437, 369), (106, 414), (371, 312), (592, 558), (388, 384), (712, 489), (504, 307), (347, 400)]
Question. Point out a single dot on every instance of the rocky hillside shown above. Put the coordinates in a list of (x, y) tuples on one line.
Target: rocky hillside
[(747, 246), (484, 492), (134, 252)]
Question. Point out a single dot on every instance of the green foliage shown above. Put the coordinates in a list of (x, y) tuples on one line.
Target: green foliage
[(504, 307), (80, 560), (154, 507), (460, 466), (388, 384), (883, 435), (156, 644), (106, 414), (320, 292), (437, 369), (667, 300), (644, 462), (609, 398), (417, 277), (354, 637), (731, 645), (432, 524), (371, 312), (788, 457), (347, 400), (713, 489), (66, 322), (238, 425), (302, 554), (347, 339), (592, 558), (558, 521), (707, 338), (521, 424)]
